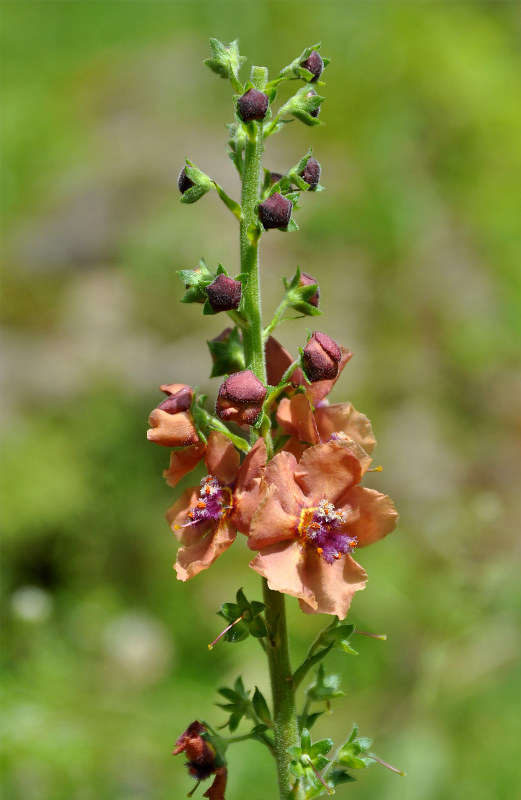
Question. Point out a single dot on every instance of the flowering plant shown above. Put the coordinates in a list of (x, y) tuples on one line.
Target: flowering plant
[(283, 465)]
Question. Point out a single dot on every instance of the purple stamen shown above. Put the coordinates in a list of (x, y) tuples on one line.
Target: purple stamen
[(215, 501), (322, 528)]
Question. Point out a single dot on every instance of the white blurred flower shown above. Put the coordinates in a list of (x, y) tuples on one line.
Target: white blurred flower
[(139, 646), (31, 604)]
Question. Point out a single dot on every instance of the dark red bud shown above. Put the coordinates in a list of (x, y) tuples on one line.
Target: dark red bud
[(252, 105), (314, 64), (315, 111), (183, 182), (240, 398), (309, 280), (321, 357), (275, 177), (224, 294), (275, 212), (177, 401), (311, 173)]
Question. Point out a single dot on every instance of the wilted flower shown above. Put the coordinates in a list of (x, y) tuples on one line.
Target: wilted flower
[(312, 517), (203, 757), (206, 518)]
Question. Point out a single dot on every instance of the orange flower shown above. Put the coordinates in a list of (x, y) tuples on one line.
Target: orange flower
[(206, 518), (312, 517), (307, 427)]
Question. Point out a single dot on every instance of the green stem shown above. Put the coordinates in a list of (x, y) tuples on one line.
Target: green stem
[(252, 335), (284, 711)]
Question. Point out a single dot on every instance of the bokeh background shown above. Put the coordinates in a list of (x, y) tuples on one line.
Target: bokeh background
[(416, 246)]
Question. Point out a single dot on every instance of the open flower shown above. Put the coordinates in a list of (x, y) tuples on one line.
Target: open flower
[(278, 360), (306, 426), (312, 517), (206, 518)]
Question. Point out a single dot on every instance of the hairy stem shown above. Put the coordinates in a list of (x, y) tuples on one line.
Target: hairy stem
[(284, 712)]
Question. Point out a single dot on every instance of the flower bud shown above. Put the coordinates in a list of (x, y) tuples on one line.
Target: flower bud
[(275, 177), (179, 397), (308, 280), (316, 111), (224, 294), (275, 212), (311, 172), (321, 357), (314, 64), (183, 182), (240, 398), (171, 424), (252, 105)]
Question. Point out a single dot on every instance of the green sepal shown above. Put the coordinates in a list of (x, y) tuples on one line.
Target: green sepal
[(338, 776), (250, 624), (353, 753), (226, 61), (259, 77), (228, 355), (195, 280), (325, 687), (260, 707), (307, 760), (295, 68), (202, 183), (291, 226)]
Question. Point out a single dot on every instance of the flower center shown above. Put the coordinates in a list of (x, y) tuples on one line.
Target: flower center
[(215, 502), (321, 528)]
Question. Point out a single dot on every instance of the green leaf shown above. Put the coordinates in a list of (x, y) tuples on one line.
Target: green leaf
[(260, 707)]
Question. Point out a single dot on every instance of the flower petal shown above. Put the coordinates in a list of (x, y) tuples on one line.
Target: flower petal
[(377, 515), (271, 523), (344, 418), (182, 462), (277, 362), (171, 430), (176, 516), (327, 471), (248, 493), (296, 417), (200, 555), (222, 459), (333, 585), (283, 565)]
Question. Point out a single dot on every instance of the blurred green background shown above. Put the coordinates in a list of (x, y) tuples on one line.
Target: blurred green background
[(416, 246)]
